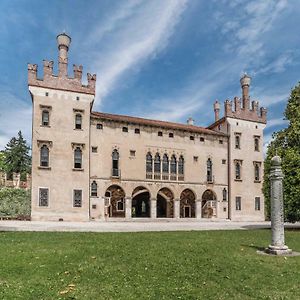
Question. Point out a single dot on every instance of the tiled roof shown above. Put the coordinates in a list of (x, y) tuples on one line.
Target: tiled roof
[(155, 123)]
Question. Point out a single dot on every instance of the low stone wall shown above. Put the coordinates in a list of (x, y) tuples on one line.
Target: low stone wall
[(16, 182)]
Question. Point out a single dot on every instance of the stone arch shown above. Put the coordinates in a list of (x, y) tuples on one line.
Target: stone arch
[(187, 204), (140, 202), (116, 195), (209, 204), (165, 203)]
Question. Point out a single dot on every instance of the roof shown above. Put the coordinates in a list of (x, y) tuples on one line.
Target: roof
[(155, 123)]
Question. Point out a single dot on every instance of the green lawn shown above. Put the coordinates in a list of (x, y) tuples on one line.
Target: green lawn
[(165, 265)]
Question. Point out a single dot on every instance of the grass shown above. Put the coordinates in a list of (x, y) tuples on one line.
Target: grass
[(165, 265)]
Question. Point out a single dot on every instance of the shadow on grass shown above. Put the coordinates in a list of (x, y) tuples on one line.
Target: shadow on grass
[(257, 248), (256, 227)]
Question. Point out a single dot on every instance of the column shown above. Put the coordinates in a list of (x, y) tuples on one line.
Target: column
[(277, 246), (128, 207), (198, 204), (153, 208), (177, 208)]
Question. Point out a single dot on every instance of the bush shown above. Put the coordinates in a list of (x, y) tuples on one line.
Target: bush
[(15, 203)]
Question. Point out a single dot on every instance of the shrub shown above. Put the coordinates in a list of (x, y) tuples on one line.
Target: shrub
[(14, 203)]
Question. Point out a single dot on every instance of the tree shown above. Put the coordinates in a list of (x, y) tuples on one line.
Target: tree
[(286, 144), (17, 157), (2, 163)]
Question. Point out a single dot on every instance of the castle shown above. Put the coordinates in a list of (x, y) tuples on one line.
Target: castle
[(90, 165)]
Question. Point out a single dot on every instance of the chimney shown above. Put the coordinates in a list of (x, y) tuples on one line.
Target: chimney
[(63, 43), (217, 110), (190, 121), (245, 84)]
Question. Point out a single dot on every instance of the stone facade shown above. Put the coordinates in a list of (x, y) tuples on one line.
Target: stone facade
[(96, 166)]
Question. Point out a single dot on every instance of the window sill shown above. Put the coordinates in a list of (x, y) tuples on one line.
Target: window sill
[(78, 169), (94, 196), (77, 129), (48, 126), (238, 179), (44, 168), (257, 181)]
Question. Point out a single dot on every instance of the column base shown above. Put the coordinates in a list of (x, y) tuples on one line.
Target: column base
[(278, 250)]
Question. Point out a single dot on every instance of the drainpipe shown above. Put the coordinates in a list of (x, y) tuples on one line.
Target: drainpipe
[(229, 171)]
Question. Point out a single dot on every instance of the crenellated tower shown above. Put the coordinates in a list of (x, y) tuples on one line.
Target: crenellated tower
[(244, 124), (60, 138)]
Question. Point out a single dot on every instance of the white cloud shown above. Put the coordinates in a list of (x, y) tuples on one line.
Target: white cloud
[(276, 122), (146, 32), (15, 115)]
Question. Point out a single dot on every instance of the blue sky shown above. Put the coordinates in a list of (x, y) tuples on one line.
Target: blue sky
[(166, 60)]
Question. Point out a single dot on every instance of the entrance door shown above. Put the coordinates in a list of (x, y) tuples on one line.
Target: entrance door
[(161, 207)]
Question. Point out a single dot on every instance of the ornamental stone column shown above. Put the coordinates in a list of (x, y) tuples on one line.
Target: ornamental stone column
[(153, 208), (177, 208), (277, 246), (198, 209), (128, 209)]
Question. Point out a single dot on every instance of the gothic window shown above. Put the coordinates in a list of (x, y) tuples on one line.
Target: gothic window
[(157, 167), (115, 163), (149, 163), (77, 198), (209, 170), (44, 156), (256, 172), (181, 165), (257, 203), (94, 191), (45, 118), (77, 158), (78, 121), (165, 164), (238, 170), (237, 142), (256, 144), (238, 203), (173, 164), (43, 197)]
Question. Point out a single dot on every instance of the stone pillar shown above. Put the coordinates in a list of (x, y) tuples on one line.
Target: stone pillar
[(128, 207), (277, 246), (198, 211), (153, 208), (177, 208)]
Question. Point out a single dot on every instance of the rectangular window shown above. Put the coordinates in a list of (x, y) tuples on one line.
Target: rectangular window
[(160, 133), (125, 129), (45, 118), (256, 143), (77, 200), (195, 158), (78, 121), (224, 161), (192, 138), (137, 131), (221, 142), (99, 126), (94, 149), (237, 142), (43, 197), (132, 152), (257, 203), (171, 135), (238, 203), (202, 139)]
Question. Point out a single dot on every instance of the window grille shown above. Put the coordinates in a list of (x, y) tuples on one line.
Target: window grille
[(77, 198), (43, 197)]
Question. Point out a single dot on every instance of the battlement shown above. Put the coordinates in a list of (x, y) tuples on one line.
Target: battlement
[(240, 107), (61, 81)]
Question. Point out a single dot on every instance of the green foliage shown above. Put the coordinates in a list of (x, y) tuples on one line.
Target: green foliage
[(14, 202), (2, 161), (151, 265), (17, 157), (286, 144)]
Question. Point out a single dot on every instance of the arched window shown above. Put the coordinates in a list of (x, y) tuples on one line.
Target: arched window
[(149, 163), (77, 158), (44, 156), (224, 194), (115, 163), (173, 164), (209, 175), (157, 167), (94, 190), (45, 118), (78, 121), (256, 172), (256, 144), (165, 164), (238, 170), (181, 165)]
